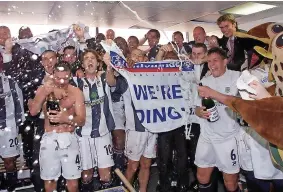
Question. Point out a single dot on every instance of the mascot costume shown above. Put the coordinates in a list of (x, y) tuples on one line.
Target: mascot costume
[(265, 116)]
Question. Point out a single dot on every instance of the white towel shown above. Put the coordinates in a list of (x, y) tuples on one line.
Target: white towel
[(243, 85)]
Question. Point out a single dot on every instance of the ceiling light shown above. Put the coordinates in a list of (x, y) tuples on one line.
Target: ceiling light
[(248, 8)]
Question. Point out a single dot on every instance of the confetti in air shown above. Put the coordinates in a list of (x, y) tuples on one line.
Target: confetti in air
[(34, 57)]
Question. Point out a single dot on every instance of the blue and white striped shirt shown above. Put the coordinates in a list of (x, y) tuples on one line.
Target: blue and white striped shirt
[(99, 118), (11, 103)]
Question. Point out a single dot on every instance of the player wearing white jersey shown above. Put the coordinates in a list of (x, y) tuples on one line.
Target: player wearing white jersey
[(217, 145), (94, 137), (11, 116), (198, 57), (140, 144)]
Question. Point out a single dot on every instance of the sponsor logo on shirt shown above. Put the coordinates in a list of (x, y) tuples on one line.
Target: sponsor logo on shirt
[(227, 89)]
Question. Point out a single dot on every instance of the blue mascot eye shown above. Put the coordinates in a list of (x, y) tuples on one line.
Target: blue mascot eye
[(277, 28), (279, 42)]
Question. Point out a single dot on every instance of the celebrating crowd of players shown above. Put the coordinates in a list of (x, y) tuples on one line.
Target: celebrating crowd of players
[(96, 129)]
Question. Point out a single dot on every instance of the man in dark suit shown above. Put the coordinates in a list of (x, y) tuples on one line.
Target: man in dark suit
[(236, 47)]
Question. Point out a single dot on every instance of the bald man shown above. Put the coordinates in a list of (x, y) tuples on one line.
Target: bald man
[(110, 34), (199, 35)]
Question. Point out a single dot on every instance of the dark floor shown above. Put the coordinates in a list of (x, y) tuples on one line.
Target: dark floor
[(151, 185)]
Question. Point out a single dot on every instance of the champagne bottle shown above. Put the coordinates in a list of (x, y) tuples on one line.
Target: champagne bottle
[(210, 106), (52, 104)]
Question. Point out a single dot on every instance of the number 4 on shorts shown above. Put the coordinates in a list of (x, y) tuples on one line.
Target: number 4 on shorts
[(78, 162), (77, 159)]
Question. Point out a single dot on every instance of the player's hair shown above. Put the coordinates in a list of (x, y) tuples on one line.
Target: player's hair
[(136, 39), (62, 66), (90, 51), (178, 33), (200, 27), (69, 47), (48, 51), (218, 51), (200, 45), (155, 31), (227, 17)]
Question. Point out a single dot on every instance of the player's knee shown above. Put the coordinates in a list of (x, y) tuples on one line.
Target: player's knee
[(231, 182), (133, 166), (105, 175), (87, 176), (145, 164), (72, 185), (202, 177), (231, 185), (10, 164), (49, 186)]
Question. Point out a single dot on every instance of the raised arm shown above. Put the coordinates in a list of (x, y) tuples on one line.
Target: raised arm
[(143, 40), (164, 49), (110, 77)]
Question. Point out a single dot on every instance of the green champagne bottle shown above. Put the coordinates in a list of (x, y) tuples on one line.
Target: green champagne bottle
[(210, 106)]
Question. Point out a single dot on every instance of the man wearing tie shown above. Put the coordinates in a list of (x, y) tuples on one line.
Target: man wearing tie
[(237, 48)]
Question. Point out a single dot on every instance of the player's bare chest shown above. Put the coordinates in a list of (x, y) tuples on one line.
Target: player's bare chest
[(67, 103)]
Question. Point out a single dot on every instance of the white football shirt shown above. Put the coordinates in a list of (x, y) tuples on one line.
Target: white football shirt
[(226, 127)]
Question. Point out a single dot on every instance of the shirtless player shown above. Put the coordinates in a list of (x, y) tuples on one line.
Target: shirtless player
[(59, 147)]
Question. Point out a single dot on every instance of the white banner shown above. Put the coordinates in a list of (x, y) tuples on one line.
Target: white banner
[(160, 101), (55, 41)]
